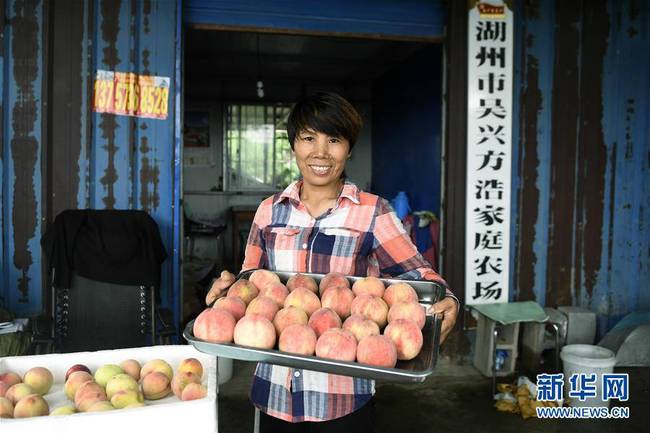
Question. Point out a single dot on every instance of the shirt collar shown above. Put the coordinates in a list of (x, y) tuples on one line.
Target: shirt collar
[(292, 192)]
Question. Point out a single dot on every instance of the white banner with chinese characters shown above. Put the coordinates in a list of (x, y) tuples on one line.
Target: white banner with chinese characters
[(489, 152)]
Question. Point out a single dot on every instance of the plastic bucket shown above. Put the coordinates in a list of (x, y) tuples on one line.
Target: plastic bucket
[(587, 359)]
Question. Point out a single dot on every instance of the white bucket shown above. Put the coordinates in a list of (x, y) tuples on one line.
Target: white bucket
[(588, 359)]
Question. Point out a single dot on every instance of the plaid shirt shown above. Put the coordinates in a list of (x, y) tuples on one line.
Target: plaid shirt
[(360, 236)]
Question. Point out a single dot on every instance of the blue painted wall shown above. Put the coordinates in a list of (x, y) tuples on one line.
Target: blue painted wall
[(407, 130)]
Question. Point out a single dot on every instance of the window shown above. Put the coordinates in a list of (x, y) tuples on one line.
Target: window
[(258, 155)]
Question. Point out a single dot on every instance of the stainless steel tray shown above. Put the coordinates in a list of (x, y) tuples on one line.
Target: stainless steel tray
[(415, 370)]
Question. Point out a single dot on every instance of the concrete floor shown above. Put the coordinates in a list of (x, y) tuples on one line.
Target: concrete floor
[(455, 398)]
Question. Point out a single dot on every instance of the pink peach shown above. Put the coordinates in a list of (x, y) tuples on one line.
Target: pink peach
[(234, 305), (263, 278), (298, 339), (360, 327), (31, 405), (302, 280), (6, 408), (194, 391), (400, 292), (333, 279), (289, 316), (377, 350), (338, 299), (408, 310), (304, 299), (371, 307), (214, 325), (407, 338), (10, 378), (181, 380), (191, 365), (18, 391), (264, 306), (244, 289), (278, 292), (337, 344), (324, 319), (369, 286), (255, 331)]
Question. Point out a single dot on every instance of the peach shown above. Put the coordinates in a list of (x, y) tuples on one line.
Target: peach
[(40, 379), (133, 405), (6, 408), (377, 350), (244, 289), (324, 319), (18, 391), (3, 389), (157, 365), (180, 381), (87, 394), (31, 405), (156, 385), (337, 344), (194, 391), (75, 380), (407, 338), (191, 365), (360, 327), (289, 316), (263, 306), (120, 382), (302, 280), (126, 397), (338, 299), (214, 325), (106, 372), (76, 367), (298, 339), (100, 406), (371, 307), (10, 378), (63, 410), (132, 368), (400, 292), (263, 278), (255, 331), (304, 299), (369, 286), (278, 292), (333, 279), (233, 305), (408, 310)]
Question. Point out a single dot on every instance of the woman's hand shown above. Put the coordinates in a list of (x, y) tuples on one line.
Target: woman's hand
[(219, 287), (448, 308)]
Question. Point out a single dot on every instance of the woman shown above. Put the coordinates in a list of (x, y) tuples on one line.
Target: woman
[(324, 223)]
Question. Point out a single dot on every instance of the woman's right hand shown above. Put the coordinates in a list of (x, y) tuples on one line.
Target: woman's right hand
[(219, 287)]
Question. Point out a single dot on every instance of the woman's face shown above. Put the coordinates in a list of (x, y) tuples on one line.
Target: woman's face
[(320, 157)]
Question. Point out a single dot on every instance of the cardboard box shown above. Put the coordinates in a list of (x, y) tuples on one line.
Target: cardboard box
[(168, 415)]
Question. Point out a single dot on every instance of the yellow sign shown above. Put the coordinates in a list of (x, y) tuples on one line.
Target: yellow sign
[(130, 94)]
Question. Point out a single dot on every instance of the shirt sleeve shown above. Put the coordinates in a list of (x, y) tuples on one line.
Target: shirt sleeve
[(255, 253), (396, 255)]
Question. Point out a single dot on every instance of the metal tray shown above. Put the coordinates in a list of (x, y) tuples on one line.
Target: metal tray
[(415, 370)]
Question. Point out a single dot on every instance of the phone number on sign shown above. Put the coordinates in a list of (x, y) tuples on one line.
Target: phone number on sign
[(131, 95)]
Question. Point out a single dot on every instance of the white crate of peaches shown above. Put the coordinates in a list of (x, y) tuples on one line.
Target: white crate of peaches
[(367, 322)]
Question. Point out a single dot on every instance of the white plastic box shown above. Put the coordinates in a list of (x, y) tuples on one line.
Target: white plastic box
[(166, 415)]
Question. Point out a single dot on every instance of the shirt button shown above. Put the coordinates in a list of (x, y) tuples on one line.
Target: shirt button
[(297, 374), (304, 246)]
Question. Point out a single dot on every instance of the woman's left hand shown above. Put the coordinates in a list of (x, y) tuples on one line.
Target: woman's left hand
[(448, 308)]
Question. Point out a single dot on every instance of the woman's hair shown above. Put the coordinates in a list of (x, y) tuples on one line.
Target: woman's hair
[(325, 112)]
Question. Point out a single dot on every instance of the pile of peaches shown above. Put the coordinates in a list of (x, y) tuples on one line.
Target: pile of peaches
[(368, 323)]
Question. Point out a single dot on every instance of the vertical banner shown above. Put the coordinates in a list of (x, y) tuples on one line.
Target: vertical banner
[(489, 152)]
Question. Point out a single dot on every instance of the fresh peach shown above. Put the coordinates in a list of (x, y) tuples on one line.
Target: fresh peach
[(243, 289), (369, 286), (194, 391), (76, 367), (3, 389), (40, 379), (233, 305), (371, 307), (263, 278), (337, 344), (302, 280), (18, 391), (120, 382), (6, 408), (407, 338), (377, 350), (214, 325), (277, 291), (126, 397), (191, 365), (408, 310), (289, 316), (87, 394), (131, 367), (100, 406), (156, 385), (264, 306), (63, 410), (298, 339), (30, 406), (333, 279), (10, 378), (157, 365), (75, 380), (255, 331), (360, 327), (304, 299), (180, 381), (106, 373), (400, 292), (338, 299), (324, 319)]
